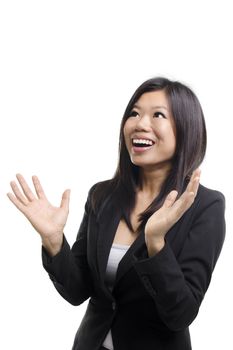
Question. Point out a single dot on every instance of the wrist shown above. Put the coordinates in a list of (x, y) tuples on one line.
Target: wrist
[(154, 245), (52, 245)]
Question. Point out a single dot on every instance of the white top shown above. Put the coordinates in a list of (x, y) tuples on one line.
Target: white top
[(116, 254)]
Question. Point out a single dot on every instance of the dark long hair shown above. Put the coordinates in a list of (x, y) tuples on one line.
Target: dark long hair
[(190, 151)]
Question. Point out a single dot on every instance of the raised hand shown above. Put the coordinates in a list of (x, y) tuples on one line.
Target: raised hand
[(48, 220), (172, 210)]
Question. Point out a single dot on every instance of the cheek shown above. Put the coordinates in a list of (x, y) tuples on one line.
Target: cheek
[(126, 130), (171, 133), (166, 129), (171, 139), (166, 134)]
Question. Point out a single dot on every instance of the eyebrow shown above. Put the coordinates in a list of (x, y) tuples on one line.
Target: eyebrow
[(154, 107)]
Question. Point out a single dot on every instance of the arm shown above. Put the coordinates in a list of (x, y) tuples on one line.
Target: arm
[(178, 284), (68, 269)]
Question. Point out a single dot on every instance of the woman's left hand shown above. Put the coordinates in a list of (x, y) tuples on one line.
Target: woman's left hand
[(172, 210)]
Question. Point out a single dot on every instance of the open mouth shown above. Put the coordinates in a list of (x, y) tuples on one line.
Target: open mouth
[(142, 143)]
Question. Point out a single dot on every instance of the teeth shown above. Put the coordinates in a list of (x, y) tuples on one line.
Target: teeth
[(145, 142)]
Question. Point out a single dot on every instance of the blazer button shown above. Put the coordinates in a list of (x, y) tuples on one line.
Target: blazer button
[(114, 305)]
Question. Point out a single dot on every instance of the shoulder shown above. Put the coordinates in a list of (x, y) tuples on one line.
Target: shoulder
[(208, 196), (99, 186), (99, 194), (209, 200)]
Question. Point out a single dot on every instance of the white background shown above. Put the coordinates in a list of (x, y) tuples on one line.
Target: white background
[(67, 72)]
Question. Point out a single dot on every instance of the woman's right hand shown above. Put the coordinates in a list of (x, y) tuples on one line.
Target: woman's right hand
[(48, 221)]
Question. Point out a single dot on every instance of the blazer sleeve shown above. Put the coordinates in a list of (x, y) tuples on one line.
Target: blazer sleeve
[(69, 270), (178, 284)]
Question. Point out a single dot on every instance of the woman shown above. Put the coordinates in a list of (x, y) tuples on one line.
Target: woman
[(150, 237)]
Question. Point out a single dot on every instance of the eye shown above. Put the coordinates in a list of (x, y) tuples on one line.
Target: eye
[(133, 114), (159, 115)]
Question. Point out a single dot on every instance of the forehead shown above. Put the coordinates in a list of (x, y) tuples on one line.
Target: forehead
[(153, 99)]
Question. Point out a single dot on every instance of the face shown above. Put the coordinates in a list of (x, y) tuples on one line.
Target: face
[(149, 131)]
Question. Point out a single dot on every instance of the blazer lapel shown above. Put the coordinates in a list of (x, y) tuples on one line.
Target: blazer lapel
[(128, 259), (108, 223)]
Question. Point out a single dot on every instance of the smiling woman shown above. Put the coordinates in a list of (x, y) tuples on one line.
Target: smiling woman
[(150, 236), (149, 127)]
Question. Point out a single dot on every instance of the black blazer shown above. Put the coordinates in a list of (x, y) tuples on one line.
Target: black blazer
[(154, 299)]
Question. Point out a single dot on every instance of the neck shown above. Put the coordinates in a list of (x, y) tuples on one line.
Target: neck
[(152, 180)]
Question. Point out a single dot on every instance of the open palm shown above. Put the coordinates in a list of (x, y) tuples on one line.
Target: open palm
[(48, 220), (172, 210)]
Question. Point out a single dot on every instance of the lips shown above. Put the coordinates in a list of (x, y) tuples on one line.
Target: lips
[(141, 148), (142, 142)]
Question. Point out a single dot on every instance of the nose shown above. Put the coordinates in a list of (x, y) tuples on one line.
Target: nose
[(143, 123)]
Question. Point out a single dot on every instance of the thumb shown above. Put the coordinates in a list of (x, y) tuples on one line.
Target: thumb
[(65, 200), (170, 199)]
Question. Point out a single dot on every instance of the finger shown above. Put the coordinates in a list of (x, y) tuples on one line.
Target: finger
[(39, 189), (183, 203), (187, 198), (194, 182), (170, 199), (196, 173), (16, 202), (26, 189), (193, 186), (65, 200), (20, 197)]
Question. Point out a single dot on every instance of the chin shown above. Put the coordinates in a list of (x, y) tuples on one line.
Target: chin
[(160, 163), (142, 164)]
